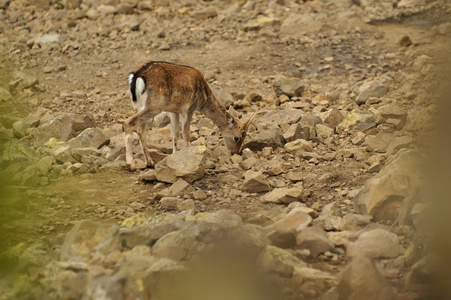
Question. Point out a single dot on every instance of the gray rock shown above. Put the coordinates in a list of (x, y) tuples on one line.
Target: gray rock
[(91, 137), (278, 261), (379, 142), (267, 138), (177, 245), (298, 146), (284, 195), (383, 194), (62, 154), (280, 117), (329, 222), (374, 88), (49, 39), (203, 14), (170, 203), (161, 120), (332, 117), (145, 234), (283, 232), (225, 98), (315, 240), (63, 128), (89, 239), (255, 182), (295, 132), (355, 221), (376, 243), (290, 87), (398, 143), (188, 163), (323, 131), (362, 280), (5, 95)]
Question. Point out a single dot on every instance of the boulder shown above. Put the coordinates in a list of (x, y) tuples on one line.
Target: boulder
[(376, 243), (255, 182), (90, 137), (290, 87), (374, 88), (278, 261), (383, 194), (378, 142), (267, 138), (315, 240), (283, 232), (89, 239), (63, 128), (284, 195), (188, 163), (362, 280)]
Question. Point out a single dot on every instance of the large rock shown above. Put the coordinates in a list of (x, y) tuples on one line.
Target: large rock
[(88, 239), (267, 138), (383, 194), (315, 240), (278, 261), (374, 88), (63, 128), (288, 86), (284, 195), (378, 142), (188, 163), (362, 280), (255, 182), (91, 137), (376, 243), (283, 232), (225, 98), (279, 117)]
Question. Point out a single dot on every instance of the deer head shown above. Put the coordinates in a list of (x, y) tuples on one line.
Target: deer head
[(236, 131)]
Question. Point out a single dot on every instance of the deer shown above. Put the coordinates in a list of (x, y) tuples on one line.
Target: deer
[(159, 86)]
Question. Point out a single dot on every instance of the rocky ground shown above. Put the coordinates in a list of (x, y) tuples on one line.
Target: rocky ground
[(327, 201)]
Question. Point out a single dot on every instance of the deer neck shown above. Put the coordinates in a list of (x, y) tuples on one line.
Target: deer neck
[(215, 111)]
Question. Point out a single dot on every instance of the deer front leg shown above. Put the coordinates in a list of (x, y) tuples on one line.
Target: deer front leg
[(175, 126), (142, 140), (186, 122), (133, 124)]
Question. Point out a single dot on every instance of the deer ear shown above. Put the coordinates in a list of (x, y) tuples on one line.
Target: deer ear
[(233, 112)]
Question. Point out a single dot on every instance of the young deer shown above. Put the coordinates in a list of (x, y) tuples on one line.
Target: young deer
[(158, 86)]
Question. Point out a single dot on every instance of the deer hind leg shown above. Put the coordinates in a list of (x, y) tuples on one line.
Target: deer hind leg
[(133, 124), (186, 122), (175, 126)]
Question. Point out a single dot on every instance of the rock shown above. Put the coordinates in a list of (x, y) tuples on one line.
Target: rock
[(284, 195), (362, 280), (323, 131), (255, 182), (359, 120), (261, 23), (423, 272), (130, 22), (298, 24), (44, 165), (379, 142), (179, 188), (355, 221), (315, 240), (267, 138), (49, 39), (203, 14), (405, 41), (295, 132), (288, 86), (329, 222), (91, 137), (188, 163), (170, 203), (332, 117), (188, 204), (80, 153), (278, 261), (176, 245), (390, 111), (398, 143), (148, 176), (63, 128), (376, 243), (225, 98), (374, 88), (283, 232), (62, 154), (298, 146), (89, 239), (280, 117), (5, 95), (161, 120), (383, 194)]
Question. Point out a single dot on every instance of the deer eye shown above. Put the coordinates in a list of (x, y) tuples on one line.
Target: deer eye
[(236, 139)]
